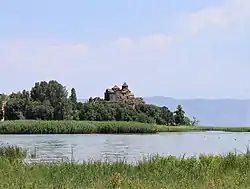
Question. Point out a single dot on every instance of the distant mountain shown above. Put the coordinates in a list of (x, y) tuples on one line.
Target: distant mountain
[(216, 112)]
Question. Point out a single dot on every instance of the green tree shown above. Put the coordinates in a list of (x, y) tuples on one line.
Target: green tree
[(73, 98), (39, 110), (179, 116), (167, 116), (50, 101), (56, 94)]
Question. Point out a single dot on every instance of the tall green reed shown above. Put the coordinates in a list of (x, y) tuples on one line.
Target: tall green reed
[(74, 127), (214, 171), (12, 152)]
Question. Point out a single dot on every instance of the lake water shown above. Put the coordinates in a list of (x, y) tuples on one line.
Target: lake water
[(131, 147)]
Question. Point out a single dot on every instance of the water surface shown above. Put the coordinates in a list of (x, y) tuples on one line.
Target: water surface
[(131, 147)]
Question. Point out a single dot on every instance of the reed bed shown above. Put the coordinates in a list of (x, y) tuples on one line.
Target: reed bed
[(200, 129), (74, 127), (205, 172), (12, 152), (100, 127), (226, 129)]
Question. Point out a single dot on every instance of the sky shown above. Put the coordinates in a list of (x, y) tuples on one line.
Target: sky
[(181, 49)]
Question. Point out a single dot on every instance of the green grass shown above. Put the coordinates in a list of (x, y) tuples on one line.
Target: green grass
[(201, 129), (227, 129), (12, 152), (206, 172), (74, 127), (97, 127)]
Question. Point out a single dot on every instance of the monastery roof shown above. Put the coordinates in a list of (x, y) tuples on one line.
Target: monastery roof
[(125, 84), (115, 87)]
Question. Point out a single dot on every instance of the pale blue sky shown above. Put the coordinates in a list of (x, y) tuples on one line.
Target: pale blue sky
[(182, 48)]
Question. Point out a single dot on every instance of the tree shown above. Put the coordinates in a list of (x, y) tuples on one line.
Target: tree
[(179, 116), (3, 100), (15, 108), (39, 110), (73, 98), (50, 101), (40, 91), (194, 122), (56, 94), (167, 115)]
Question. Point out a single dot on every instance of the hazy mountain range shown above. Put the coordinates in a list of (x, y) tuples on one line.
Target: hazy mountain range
[(216, 112)]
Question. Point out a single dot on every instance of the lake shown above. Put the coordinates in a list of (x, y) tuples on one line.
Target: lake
[(131, 147)]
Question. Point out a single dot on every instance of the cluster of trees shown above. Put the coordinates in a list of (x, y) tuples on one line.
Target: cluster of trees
[(51, 101)]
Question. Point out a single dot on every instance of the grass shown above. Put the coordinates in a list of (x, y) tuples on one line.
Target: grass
[(205, 172), (200, 129), (74, 127), (100, 127), (227, 129), (12, 152)]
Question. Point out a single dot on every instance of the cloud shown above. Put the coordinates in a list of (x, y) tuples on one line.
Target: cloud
[(229, 13), (180, 65), (41, 56), (233, 11), (69, 49), (125, 42), (145, 43)]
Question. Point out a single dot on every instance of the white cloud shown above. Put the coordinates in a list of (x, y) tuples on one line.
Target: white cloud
[(153, 42), (231, 12), (157, 64), (40, 56), (69, 49), (125, 42), (156, 40)]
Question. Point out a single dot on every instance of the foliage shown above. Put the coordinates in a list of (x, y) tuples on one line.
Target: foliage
[(74, 127), (99, 127), (3, 97), (179, 116), (200, 129), (205, 172), (12, 152), (51, 101)]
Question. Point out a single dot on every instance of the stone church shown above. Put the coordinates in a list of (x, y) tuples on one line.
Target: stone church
[(116, 93)]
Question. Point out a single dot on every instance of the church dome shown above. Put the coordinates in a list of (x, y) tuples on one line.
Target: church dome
[(125, 84)]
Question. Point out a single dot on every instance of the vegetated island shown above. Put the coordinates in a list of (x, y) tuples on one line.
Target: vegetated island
[(205, 172), (48, 108)]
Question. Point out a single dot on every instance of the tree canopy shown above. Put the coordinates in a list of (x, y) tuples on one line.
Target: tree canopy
[(51, 101)]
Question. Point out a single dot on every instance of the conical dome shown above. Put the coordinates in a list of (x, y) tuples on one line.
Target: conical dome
[(125, 84)]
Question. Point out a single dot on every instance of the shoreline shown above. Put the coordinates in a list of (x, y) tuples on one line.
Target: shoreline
[(30, 127)]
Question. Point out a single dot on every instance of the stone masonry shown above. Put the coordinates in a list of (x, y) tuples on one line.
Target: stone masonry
[(116, 93)]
